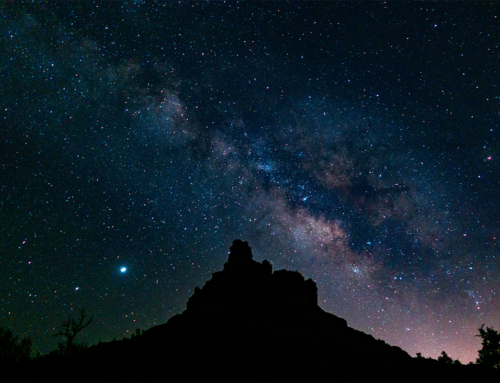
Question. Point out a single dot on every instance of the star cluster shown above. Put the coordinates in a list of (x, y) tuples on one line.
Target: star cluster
[(354, 142)]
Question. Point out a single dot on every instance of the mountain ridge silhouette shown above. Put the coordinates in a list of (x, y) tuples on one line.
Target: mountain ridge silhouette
[(257, 312)]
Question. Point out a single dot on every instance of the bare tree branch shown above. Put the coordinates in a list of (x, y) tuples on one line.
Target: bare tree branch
[(76, 327)]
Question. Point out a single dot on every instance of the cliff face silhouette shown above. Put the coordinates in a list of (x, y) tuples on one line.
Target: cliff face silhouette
[(246, 292), (250, 323)]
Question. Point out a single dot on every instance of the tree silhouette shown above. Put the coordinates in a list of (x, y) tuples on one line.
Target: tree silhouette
[(489, 355), (13, 350), (70, 329)]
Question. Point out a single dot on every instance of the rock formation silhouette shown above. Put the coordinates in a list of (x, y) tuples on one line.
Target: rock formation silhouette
[(250, 323), (246, 291)]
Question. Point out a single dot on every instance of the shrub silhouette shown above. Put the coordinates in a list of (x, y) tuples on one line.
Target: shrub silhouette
[(138, 332), (13, 350), (489, 354), (444, 358)]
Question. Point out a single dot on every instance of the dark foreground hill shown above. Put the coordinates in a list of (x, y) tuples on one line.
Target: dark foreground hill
[(249, 324)]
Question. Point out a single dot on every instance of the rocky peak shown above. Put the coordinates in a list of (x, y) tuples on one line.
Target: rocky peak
[(240, 262), (240, 251), (254, 283)]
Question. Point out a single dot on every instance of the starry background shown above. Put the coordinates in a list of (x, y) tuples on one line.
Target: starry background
[(354, 142)]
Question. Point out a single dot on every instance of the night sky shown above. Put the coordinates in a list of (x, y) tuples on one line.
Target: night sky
[(357, 143)]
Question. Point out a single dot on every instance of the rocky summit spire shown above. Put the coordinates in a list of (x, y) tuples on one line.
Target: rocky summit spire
[(240, 261), (240, 251)]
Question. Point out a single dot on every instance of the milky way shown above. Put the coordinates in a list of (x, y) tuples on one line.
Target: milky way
[(354, 142)]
